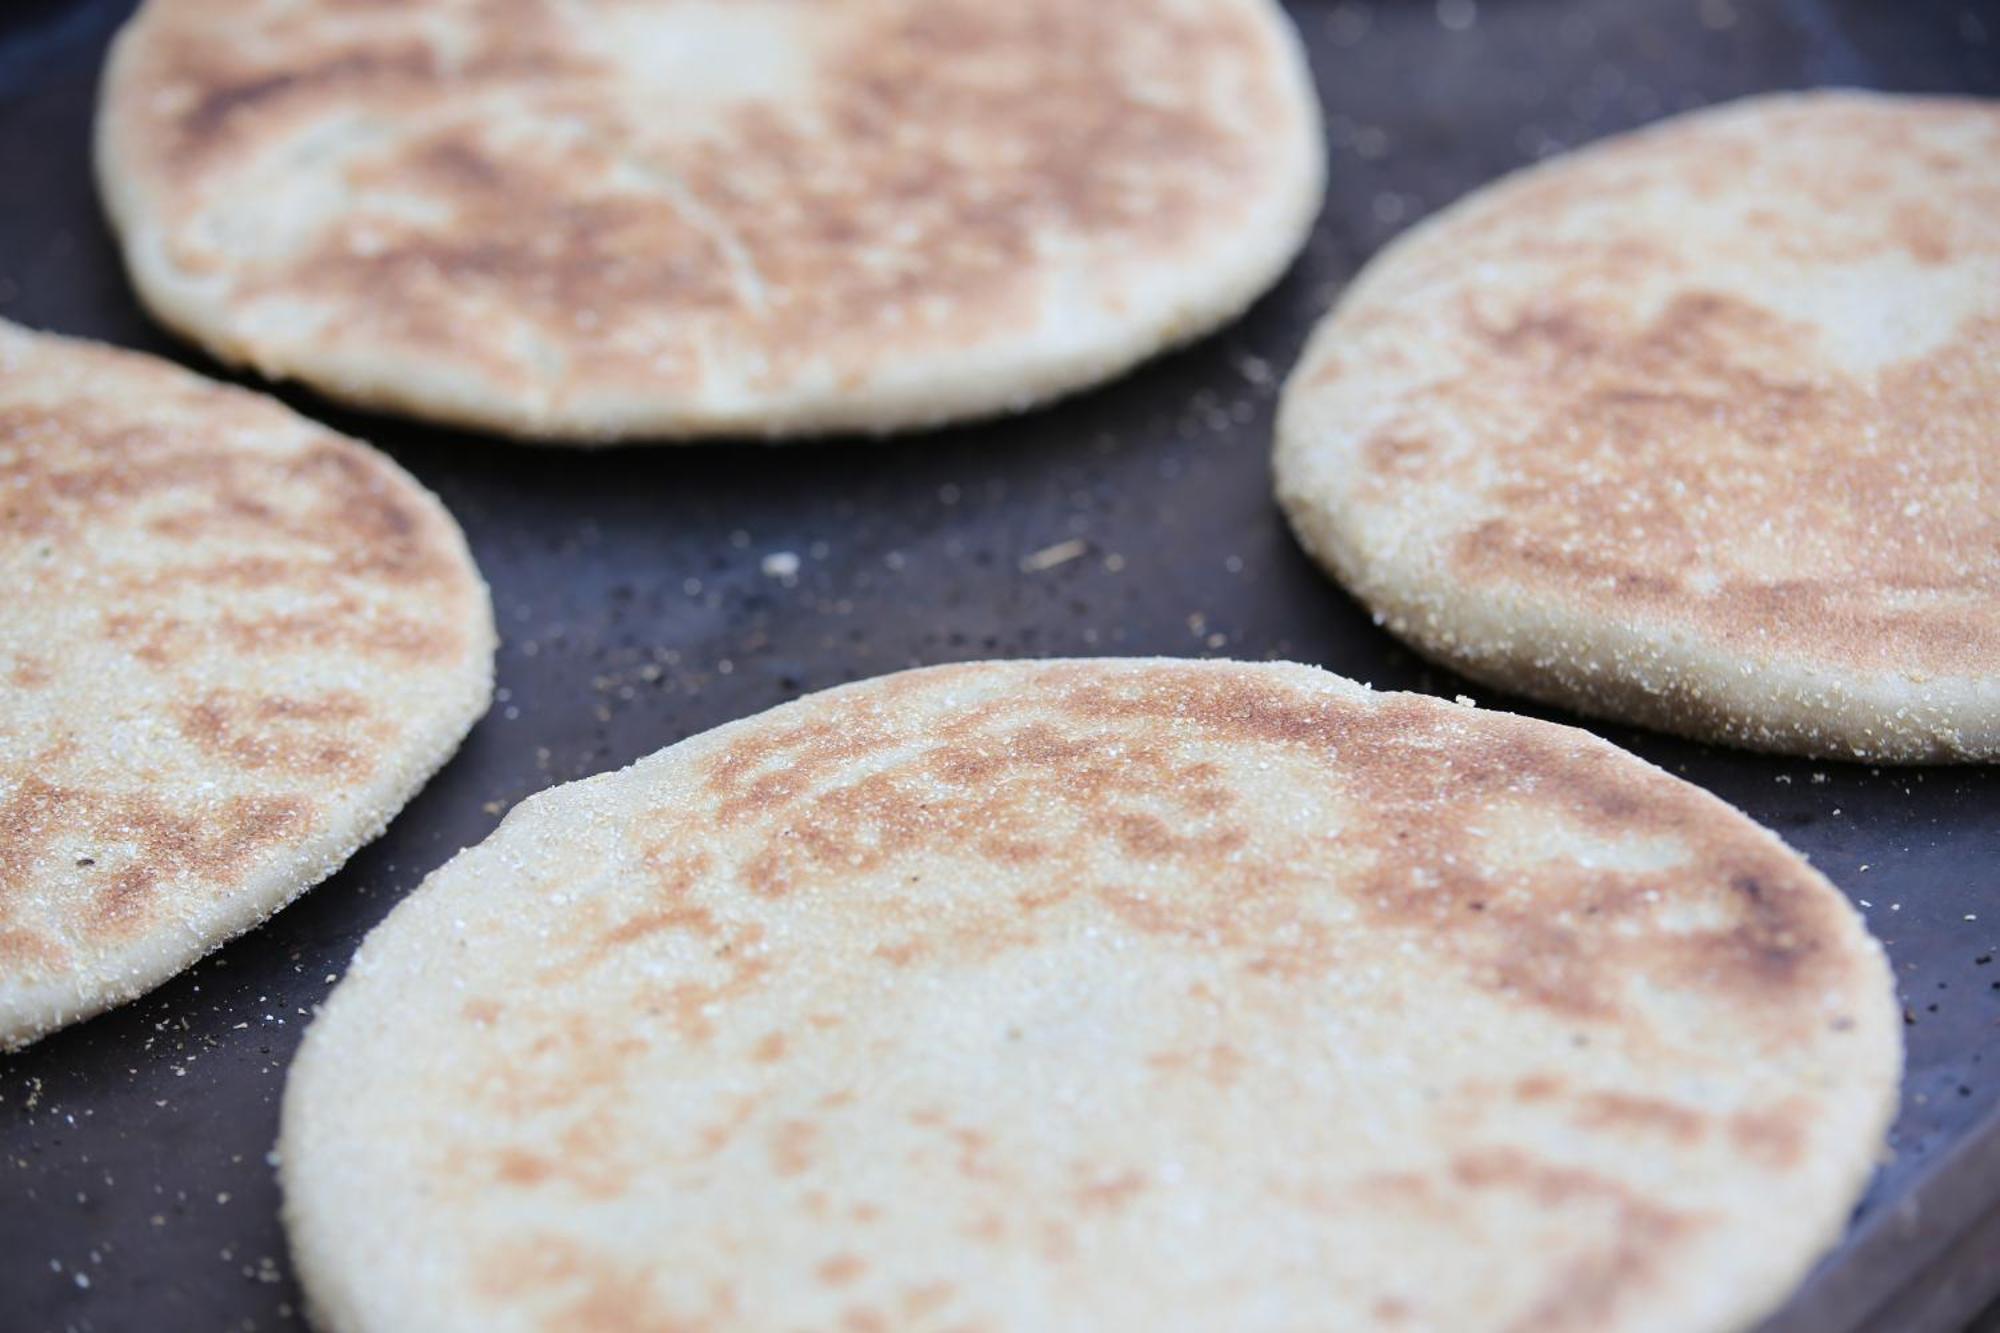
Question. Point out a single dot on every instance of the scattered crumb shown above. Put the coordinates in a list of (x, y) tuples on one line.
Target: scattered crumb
[(1051, 556), (1256, 370), (1457, 15)]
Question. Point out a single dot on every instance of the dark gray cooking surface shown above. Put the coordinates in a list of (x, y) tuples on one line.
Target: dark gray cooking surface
[(635, 608)]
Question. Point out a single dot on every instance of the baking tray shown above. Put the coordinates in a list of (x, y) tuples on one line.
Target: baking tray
[(635, 610)]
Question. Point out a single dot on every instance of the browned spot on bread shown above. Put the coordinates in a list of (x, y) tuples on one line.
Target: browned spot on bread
[(774, 769), (585, 1157), (384, 536), (1594, 1288), (926, 1298), (25, 949), (591, 1156), (340, 624), (1220, 1064), (204, 127), (399, 638), (675, 876), (237, 573), (29, 819), (139, 844), (1773, 1137), (841, 1269), (29, 672), (1645, 1115), (119, 907), (690, 1005), (171, 846), (517, 1166), (1413, 781), (311, 737), (1403, 1188), (79, 461), (714, 1138), (1671, 439), (1330, 369), (1417, 791), (1252, 920), (568, 1063), (901, 954), (1924, 232), (1393, 453), (579, 1288), (989, 1228), (792, 1146), (972, 1161), (1107, 1193)]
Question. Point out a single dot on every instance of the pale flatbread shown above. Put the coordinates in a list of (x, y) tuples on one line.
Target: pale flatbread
[(1698, 427), (674, 218), (232, 645), (1097, 995)]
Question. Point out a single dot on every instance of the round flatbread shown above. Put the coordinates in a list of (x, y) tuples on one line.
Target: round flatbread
[(232, 645), (1097, 995), (667, 218), (1698, 427)]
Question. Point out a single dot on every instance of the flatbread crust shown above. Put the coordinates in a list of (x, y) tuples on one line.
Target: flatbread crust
[(672, 218), (232, 645), (1089, 995), (1698, 427)]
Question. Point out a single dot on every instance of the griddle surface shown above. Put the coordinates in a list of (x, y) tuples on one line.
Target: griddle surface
[(635, 610)]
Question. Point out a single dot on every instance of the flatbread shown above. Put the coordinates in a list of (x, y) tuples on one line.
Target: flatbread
[(1097, 995), (232, 645), (1698, 427), (669, 218)]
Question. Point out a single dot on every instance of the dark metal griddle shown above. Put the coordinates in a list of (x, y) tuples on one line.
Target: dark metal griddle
[(134, 1187)]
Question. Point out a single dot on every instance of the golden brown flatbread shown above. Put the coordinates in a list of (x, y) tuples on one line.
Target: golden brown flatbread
[(1097, 995), (232, 645), (669, 218), (1698, 427)]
